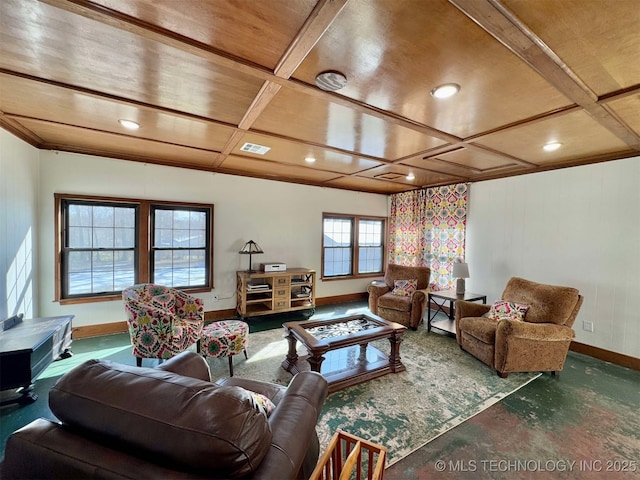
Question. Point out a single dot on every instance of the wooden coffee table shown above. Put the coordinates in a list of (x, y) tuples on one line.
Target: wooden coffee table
[(339, 348)]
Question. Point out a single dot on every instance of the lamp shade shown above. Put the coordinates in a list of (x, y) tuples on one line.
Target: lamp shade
[(250, 247), (460, 270)]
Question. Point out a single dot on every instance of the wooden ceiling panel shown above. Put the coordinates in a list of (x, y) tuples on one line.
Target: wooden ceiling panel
[(584, 34), (399, 51), (244, 29), (295, 153), (66, 138), (439, 166), (274, 170), (45, 41), (20, 98), (579, 133), (318, 120), (397, 173), (475, 159), (628, 108), (205, 76), (366, 185)]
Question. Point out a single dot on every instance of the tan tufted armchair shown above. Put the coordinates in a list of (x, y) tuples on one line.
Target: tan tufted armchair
[(539, 342), (406, 310)]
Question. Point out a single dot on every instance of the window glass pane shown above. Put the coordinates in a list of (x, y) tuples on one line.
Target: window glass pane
[(124, 270), (197, 269), (103, 237), (370, 232), (102, 272), (180, 268), (369, 259), (198, 220), (181, 219), (163, 218), (163, 237), (79, 237), (181, 238), (337, 232), (80, 215), (163, 267), (103, 216), (125, 237), (125, 217), (337, 261)]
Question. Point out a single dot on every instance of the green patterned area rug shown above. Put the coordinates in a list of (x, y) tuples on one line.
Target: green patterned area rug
[(442, 387)]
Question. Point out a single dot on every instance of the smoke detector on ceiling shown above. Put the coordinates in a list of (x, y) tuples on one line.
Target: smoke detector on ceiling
[(331, 80)]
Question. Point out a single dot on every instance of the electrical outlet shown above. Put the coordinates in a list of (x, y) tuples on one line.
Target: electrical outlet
[(587, 326), (215, 297)]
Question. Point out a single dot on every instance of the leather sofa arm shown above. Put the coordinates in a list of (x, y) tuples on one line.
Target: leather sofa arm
[(188, 364), (292, 455)]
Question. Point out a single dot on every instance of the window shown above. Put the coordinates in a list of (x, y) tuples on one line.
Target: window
[(104, 246), (179, 248), (352, 246), (99, 251)]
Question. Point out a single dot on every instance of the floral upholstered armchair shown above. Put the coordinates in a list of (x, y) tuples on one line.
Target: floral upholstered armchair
[(528, 330), (162, 321), (402, 298)]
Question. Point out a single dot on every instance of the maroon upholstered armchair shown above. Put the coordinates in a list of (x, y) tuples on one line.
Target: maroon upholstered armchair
[(397, 302), (537, 342)]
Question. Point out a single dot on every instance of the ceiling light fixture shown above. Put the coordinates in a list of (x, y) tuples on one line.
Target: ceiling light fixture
[(331, 80), (411, 176), (445, 91), (309, 159), (552, 146), (129, 124)]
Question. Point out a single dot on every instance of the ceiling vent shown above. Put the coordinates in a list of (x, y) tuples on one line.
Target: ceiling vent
[(389, 176), (255, 148)]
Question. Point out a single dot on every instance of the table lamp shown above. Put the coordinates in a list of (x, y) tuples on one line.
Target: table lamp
[(460, 271), (250, 248)]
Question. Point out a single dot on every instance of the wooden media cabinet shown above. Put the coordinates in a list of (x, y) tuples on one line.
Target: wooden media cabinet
[(264, 293)]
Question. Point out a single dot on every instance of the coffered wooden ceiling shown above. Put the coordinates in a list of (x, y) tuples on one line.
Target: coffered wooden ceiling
[(203, 77)]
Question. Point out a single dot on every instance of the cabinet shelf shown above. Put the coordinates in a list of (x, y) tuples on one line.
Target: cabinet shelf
[(282, 294)]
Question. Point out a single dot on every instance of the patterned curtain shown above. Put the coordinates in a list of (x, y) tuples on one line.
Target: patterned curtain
[(427, 228)]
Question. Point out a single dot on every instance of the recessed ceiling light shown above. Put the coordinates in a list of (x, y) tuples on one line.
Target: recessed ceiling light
[(445, 91), (411, 176), (129, 124), (309, 159), (331, 80), (551, 147)]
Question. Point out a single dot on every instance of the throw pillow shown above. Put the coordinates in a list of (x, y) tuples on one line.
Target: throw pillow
[(262, 403), (405, 288), (507, 310)]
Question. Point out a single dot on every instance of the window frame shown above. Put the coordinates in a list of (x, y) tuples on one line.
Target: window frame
[(355, 245), (143, 269)]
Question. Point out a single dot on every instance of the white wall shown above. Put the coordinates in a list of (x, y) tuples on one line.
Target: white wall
[(284, 219), (18, 227), (578, 227)]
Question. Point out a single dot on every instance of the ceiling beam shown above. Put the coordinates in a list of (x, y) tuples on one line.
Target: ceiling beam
[(322, 16), (503, 25)]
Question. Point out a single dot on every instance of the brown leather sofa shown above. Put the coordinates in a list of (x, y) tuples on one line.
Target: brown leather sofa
[(406, 310), (125, 422)]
